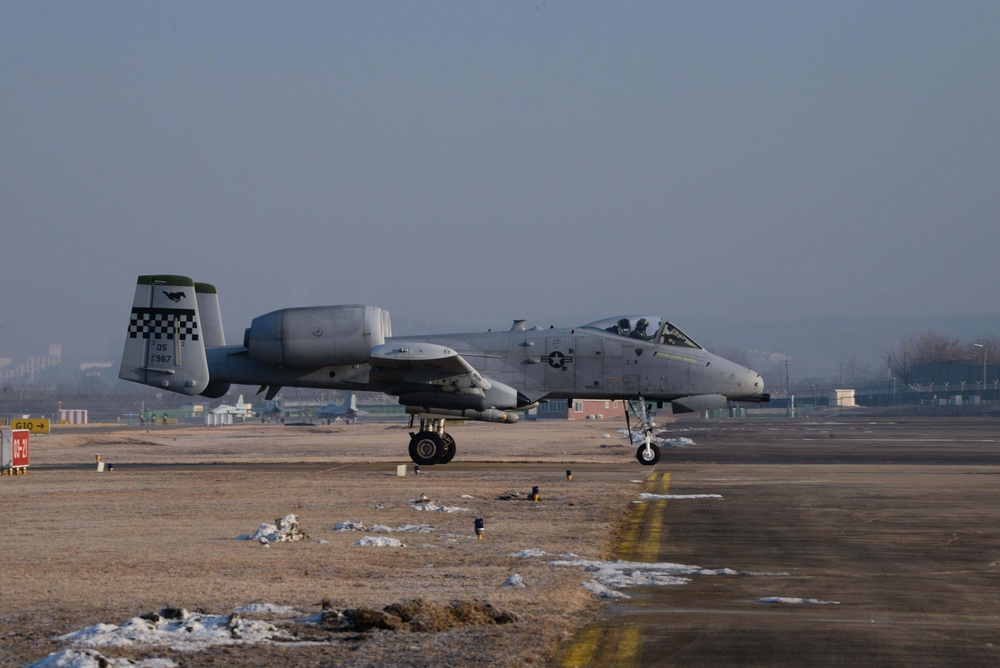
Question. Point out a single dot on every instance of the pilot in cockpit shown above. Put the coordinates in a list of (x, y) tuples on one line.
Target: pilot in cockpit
[(640, 330)]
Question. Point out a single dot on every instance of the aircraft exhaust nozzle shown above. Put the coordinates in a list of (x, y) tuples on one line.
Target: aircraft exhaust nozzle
[(489, 415)]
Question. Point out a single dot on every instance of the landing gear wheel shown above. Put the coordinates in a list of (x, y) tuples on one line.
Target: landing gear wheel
[(427, 448), (450, 449), (647, 458)]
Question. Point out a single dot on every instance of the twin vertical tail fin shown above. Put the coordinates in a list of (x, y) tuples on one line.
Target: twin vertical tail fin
[(165, 344)]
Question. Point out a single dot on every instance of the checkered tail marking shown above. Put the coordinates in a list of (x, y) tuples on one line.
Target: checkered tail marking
[(163, 324)]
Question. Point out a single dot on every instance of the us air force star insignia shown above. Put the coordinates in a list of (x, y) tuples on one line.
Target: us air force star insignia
[(557, 360)]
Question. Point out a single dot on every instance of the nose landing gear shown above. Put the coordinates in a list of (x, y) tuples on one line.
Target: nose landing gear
[(648, 453)]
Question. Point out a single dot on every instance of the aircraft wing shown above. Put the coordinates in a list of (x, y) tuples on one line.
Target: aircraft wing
[(433, 377), (426, 363)]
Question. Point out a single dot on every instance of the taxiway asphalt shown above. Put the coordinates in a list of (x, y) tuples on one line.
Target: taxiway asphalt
[(850, 543)]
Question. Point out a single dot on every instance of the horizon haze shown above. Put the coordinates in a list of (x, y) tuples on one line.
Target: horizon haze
[(726, 165)]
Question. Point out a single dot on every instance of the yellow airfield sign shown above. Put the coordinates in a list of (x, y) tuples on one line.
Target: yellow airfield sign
[(34, 425)]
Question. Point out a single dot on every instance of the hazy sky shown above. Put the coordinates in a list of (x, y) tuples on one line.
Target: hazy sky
[(465, 163)]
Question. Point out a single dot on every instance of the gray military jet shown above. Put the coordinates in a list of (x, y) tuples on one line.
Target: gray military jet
[(346, 411), (175, 342)]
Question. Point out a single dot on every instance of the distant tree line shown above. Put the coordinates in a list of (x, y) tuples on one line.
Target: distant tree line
[(931, 347)]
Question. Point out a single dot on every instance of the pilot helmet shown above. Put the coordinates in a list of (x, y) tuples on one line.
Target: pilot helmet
[(642, 324)]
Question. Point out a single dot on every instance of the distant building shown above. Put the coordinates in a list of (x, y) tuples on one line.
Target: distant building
[(582, 409), (26, 370), (842, 398), (95, 367), (72, 416)]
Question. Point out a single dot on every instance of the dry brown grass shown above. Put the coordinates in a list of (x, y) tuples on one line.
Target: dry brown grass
[(82, 548)]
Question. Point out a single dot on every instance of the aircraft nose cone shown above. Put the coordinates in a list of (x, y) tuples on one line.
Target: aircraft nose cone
[(752, 385)]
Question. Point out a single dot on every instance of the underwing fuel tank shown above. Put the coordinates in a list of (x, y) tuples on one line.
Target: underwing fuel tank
[(491, 415)]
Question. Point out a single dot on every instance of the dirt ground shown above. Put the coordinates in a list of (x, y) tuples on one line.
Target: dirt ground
[(82, 547), (891, 525)]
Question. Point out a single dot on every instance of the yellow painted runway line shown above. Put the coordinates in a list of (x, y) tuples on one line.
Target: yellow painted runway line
[(641, 540), (630, 539), (584, 648), (599, 645), (628, 653), (648, 548)]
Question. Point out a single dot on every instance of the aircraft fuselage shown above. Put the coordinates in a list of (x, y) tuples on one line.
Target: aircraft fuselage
[(540, 364)]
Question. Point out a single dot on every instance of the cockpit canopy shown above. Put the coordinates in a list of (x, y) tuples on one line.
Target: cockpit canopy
[(645, 328)]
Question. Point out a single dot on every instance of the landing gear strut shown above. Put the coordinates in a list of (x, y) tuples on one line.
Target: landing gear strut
[(648, 454), (432, 444)]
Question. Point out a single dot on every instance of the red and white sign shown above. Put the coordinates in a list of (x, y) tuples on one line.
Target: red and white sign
[(19, 440), (72, 416)]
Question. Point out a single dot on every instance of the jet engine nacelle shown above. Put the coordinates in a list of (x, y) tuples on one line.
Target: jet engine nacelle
[(317, 336)]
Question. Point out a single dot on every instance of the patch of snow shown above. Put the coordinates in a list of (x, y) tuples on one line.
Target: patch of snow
[(645, 496), (381, 541), (436, 508), (266, 609), (349, 526), (285, 530), (315, 618), (620, 574), (530, 552), (514, 580), (91, 658), (599, 590), (419, 528), (381, 528), (638, 438), (179, 629), (795, 601), (466, 496)]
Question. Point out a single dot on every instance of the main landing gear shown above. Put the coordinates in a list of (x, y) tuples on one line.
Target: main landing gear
[(432, 444), (648, 453)]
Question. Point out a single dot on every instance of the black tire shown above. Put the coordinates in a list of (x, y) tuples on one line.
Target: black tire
[(450, 449), (640, 454), (426, 448)]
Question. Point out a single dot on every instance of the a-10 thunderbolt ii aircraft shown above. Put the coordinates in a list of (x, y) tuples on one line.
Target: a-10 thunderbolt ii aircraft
[(175, 342)]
